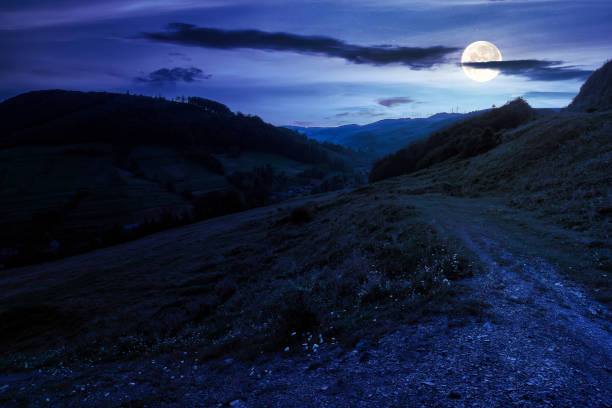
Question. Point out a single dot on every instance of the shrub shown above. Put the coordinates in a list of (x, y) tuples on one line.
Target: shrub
[(300, 215)]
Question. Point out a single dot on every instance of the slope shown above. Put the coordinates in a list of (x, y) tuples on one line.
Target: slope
[(257, 308)]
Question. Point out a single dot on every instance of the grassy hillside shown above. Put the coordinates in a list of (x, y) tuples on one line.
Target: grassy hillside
[(259, 280), (558, 165), (464, 139), (82, 170)]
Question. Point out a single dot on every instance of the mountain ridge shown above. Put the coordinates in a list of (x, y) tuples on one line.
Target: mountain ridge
[(383, 136)]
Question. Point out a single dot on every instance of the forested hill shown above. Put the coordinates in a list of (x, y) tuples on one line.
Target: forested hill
[(83, 170), (58, 117)]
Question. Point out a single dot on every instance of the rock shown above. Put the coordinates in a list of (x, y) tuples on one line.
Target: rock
[(361, 344), (454, 395), (365, 356), (324, 388)]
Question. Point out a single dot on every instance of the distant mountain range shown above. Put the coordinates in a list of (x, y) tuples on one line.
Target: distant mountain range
[(385, 136)]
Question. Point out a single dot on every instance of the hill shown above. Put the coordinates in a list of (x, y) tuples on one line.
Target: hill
[(467, 138), (80, 170), (382, 137), (69, 117), (596, 93), (443, 283)]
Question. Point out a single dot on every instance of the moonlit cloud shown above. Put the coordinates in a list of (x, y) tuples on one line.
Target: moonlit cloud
[(535, 69), (414, 57)]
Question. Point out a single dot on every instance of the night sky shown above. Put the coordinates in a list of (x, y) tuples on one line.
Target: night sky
[(306, 62)]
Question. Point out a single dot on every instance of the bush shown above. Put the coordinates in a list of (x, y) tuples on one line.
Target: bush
[(300, 215)]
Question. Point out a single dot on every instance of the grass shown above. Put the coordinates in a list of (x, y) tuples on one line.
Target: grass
[(355, 269), (77, 195), (249, 160), (556, 167)]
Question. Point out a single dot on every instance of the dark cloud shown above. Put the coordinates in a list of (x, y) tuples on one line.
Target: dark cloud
[(341, 115), (534, 69), (173, 75), (370, 113), (414, 57), (398, 100)]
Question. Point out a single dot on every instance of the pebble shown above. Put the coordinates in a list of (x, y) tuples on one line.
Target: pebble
[(454, 395)]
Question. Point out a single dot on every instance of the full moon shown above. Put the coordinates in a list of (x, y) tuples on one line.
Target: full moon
[(480, 51)]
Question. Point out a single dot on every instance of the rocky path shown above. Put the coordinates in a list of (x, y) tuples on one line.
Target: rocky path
[(535, 339)]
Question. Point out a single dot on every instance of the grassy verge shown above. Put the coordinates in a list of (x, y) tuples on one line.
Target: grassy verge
[(349, 269)]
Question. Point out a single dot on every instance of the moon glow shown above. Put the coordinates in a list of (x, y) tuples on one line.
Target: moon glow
[(480, 51)]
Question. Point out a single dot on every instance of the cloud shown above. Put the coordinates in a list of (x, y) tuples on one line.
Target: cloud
[(167, 75), (302, 123), (553, 95), (536, 70), (398, 100), (414, 57)]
